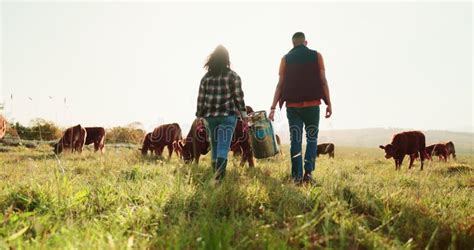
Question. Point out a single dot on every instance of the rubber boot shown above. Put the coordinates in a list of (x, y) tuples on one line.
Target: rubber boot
[(221, 165)]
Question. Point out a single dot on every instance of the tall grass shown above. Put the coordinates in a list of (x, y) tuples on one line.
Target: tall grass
[(121, 200)]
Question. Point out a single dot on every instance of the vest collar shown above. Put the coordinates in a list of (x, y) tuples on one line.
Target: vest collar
[(298, 47)]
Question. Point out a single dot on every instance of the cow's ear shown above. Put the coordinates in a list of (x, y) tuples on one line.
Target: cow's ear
[(382, 147)]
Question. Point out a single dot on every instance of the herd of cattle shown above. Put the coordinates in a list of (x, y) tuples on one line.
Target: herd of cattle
[(413, 144), (196, 143)]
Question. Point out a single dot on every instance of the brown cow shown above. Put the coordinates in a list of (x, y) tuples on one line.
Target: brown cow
[(326, 148), (451, 150), (161, 137), (96, 135), (241, 142), (439, 150), (73, 139), (3, 126), (406, 143), (197, 143)]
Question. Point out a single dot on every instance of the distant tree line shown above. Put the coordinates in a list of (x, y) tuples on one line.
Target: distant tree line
[(43, 130), (128, 134), (39, 129)]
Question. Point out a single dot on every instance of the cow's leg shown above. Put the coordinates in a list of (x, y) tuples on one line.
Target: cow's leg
[(243, 157), (400, 162), (331, 155), (196, 158), (159, 151), (80, 146), (247, 154), (422, 158), (170, 150), (412, 158), (250, 158)]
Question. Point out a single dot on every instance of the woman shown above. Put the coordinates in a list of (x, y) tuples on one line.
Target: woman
[(220, 101)]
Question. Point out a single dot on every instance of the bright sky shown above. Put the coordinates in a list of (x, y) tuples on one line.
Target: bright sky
[(388, 64)]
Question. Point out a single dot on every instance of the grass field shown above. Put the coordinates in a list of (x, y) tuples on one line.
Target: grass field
[(120, 200)]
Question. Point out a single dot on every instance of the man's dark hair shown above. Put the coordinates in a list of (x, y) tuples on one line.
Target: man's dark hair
[(298, 35)]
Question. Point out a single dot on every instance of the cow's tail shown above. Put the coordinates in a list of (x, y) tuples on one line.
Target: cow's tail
[(423, 149), (83, 142), (102, 143)]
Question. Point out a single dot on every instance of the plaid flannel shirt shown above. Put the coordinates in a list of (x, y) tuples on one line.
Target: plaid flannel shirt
[(221, 96)]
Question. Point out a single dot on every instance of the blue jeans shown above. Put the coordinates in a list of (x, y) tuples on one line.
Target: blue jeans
[(220, 130), (297, 117)]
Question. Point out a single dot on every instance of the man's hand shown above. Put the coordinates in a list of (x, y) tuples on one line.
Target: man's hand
[(271, 116), (328, 111)]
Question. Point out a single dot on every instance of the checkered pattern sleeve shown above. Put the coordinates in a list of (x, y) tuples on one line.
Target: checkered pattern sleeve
[(201, 98), (237, 93)]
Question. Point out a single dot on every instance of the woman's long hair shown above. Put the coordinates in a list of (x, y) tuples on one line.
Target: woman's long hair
[(218, 61)]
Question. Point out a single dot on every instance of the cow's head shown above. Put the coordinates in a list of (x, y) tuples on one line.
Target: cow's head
[(186, 151), (144, 150), (249, 109), (146, 144), (57, 148), (389, 150)]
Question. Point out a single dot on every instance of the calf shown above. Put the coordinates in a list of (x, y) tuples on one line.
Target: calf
[(406, 143), (439, 150), (161, 137), (197, 143), (451, 150), (96, 135), (241, 142), (73, 139), (326, 148)]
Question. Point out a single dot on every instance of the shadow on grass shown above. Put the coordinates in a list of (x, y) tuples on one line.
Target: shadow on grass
[(233, 213)]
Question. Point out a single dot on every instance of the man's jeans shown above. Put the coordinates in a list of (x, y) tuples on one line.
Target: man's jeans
[(297, 117), (220, 130)]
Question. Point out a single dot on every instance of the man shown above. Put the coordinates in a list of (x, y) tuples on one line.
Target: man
[(302, 85)]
